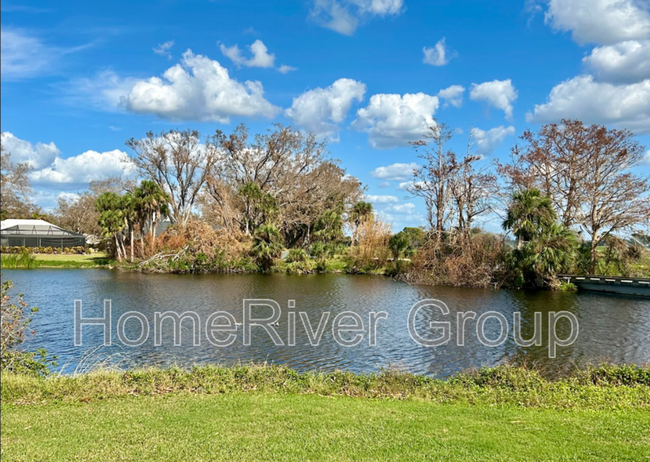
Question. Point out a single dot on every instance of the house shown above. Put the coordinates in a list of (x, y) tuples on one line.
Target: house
[(37, 233)]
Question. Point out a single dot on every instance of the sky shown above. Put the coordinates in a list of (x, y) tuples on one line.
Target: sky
[(367, 76)]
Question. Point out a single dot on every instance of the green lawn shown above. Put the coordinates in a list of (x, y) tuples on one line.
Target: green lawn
[(267, 426), (261, 412), (79, 258), (94, 260)]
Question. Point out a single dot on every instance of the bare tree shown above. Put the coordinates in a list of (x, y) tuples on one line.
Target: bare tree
[(78, 214), (472, 188), (15, 190), (586, 172), (556, 161), (614, 199), (179, 163), (431, 181)]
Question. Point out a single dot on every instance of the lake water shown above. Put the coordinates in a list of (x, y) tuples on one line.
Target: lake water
[(612, 328)]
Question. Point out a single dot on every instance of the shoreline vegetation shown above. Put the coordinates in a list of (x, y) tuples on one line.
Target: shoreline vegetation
[(278, 201), (261, 412), (305, 264), (612, 387)]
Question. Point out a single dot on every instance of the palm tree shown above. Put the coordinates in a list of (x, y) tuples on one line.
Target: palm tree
[(129, 206), (552, 252), (329, 226), (398, 244), (111, 220), (152, 204), (266, 245), (529, 214), (360, 212)]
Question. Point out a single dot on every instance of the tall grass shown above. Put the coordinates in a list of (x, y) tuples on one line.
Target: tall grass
[(604, 387), (371, 251), (23, 259)]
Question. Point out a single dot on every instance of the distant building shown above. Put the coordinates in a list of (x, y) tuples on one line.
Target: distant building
[(37, 233)]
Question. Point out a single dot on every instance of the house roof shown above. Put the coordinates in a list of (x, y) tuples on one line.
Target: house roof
[(36, 227)]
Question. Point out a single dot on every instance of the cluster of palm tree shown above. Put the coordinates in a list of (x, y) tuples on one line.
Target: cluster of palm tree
[(544, 247), (121, 215)]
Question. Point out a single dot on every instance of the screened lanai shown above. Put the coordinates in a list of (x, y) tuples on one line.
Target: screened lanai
[(37, 233)]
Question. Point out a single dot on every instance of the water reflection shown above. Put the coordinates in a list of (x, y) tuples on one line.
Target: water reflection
[(613, 328)]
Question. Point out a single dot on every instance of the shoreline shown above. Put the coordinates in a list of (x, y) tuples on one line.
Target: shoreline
[(605, 386)]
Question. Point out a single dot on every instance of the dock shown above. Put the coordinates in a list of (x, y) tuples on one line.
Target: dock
[(610, 284)]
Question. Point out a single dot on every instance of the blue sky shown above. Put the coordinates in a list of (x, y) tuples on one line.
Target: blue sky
[(79, 78)]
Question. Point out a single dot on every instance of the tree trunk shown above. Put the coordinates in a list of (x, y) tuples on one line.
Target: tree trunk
[(142, 233), (594, 255), (131, 229), (118, 251)]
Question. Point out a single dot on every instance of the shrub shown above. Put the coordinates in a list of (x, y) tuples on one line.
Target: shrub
[(457, 259), (14, 329), (298, 262)]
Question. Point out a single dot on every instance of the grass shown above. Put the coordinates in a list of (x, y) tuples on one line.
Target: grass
[(274, 413), (97, 260), (603, 388), (264, 426)]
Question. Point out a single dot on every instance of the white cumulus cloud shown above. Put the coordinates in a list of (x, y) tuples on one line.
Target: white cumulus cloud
[(198, 89), (321, 110), (498, 93), (615, 88), (260, 55), (600, 21), (439, 55), (394, 120), (381, 199), (397, 172), (488, 140), (37, 156), (406, 207), (343, 16), (623, 106), (452, 95), (81, 169), (620, 63)]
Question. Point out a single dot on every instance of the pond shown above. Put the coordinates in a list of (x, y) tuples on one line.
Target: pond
[(611, 328)]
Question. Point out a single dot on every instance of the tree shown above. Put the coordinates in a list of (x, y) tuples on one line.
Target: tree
[(78, 214), (406, 242), (178, 163), (614, 199), (112, 221), (150, 203), (529, 214), (15, 190), (129, 207), (431, 181), (586, 173), (359, 213), (284, 173), (329, 226), (398, 244), (266, 245), (550, 252), (472, 188)]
